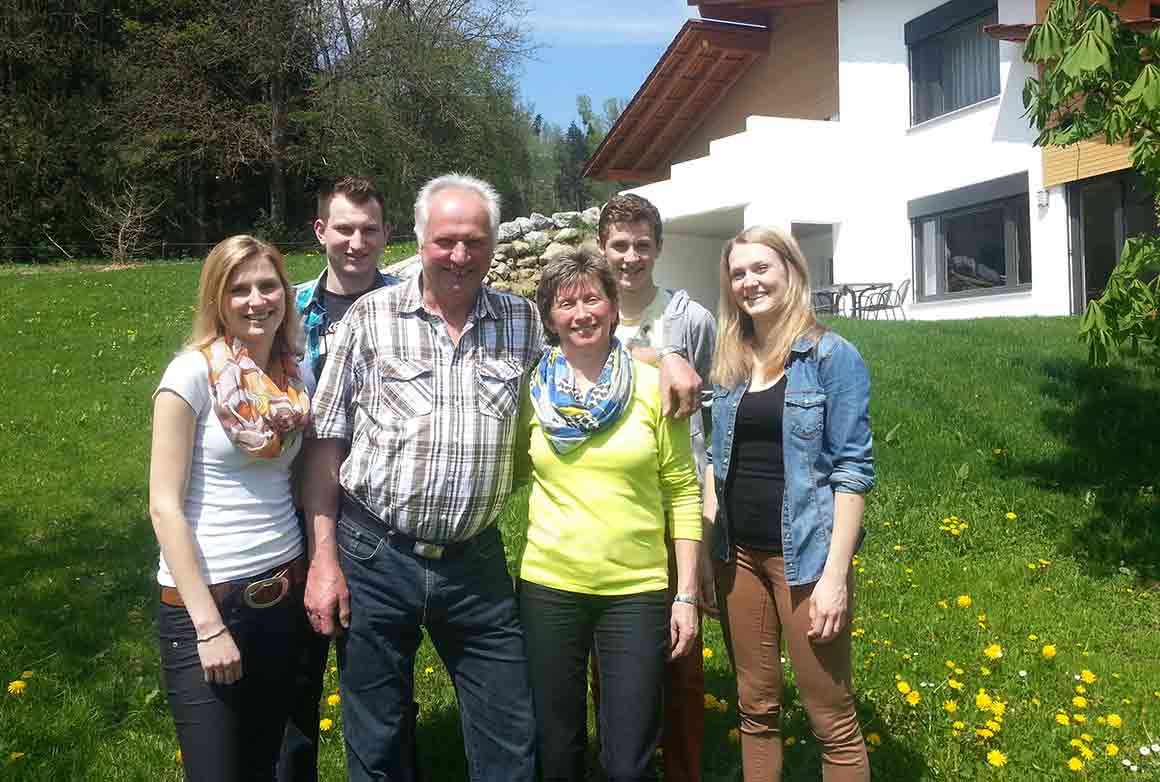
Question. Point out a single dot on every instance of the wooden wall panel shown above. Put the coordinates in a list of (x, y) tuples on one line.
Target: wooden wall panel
[(798, 79), (1083, 160), (1088, 158)]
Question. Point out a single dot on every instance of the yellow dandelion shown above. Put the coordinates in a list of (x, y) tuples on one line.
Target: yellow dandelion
[(950, 707), (333, 699), (1080, 689), (992, 725), (950, 664), (15, 756), (1062, 719), (954, 684), (942, 604), (1078, 719), (710, 701), (1086, 737), (1087, 753), (1111, 750), (1087, 676), (993, 652), (873, 739), (1011, 516), (903, 687), (983, 700), (27, 675), (325, 724), (707, 653), (995, 757), (1075, 743), (998, 708), (958, 725), (1079, 702), (1075, 764), (984, 733), (790, 741), (1049, 651), (963, 601), (17, 687), (1114, 720), (913, 697), (428, 670), (1032, 637), (177, 756)]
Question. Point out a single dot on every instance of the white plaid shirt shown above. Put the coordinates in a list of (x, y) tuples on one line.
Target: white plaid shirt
[(430, 424)]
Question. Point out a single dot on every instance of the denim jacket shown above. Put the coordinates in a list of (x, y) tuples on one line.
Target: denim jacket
[(827, 448)]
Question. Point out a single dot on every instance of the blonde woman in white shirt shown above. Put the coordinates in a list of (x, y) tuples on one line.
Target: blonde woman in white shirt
[(228, 417)]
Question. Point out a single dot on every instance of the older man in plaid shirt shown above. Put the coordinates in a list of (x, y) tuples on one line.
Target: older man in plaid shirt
[(415, 419)]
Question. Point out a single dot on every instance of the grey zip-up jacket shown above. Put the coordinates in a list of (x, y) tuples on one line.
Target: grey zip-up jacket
[(690, 326)]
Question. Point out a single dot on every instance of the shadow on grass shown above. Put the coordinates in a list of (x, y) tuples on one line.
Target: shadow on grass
[(892, 759), (1109, 422)]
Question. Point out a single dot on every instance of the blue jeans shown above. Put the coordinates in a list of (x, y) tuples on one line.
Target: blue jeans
[(467, 604), (632, 640)]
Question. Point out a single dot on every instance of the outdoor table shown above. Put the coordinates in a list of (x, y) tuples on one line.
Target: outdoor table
[(856, 291)]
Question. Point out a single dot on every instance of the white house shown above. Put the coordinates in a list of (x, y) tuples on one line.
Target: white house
[(889, 136)]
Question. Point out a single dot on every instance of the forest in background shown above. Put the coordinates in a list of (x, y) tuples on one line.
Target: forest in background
[(140, 127)]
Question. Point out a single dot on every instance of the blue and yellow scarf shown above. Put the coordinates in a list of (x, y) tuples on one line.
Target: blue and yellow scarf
[(568, 416)]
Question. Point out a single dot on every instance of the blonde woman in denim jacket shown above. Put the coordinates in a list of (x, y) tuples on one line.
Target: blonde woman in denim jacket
[(790, 466)]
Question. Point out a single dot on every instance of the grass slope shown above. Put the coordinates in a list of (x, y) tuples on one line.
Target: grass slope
[(999, 424)]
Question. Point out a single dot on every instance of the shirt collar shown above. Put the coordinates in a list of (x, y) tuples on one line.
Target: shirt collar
[(412, 300)]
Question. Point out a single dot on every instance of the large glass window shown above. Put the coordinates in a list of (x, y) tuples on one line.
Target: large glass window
[(975, 249), (953, 68)]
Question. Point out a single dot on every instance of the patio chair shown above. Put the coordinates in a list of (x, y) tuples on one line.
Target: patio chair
[(887, 299), (826, 302), (871, 300)]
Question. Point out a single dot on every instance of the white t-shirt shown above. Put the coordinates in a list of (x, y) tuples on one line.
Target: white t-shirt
[(648, 329), (239, 507)]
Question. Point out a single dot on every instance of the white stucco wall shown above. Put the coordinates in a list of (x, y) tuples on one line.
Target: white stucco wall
[(860, 173), (690, 262)]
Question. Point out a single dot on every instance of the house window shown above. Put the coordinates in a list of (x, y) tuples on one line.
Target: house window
[(973, 241), (953, 63)]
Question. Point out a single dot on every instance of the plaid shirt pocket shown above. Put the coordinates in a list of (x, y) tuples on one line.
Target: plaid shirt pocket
[(498, 387), (407, 388)]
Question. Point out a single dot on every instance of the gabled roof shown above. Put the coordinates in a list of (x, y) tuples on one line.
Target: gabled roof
[(702, 63)]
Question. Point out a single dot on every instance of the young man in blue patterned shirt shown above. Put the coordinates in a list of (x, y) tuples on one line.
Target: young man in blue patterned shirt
[(352, 233)]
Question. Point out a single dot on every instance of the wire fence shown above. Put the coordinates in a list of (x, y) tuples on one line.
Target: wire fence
[(52, 252)]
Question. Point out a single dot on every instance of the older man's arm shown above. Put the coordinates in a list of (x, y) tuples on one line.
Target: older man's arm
[(327, 598), (680, 387)]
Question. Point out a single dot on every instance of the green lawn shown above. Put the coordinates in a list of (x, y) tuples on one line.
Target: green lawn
[(1053, 467)]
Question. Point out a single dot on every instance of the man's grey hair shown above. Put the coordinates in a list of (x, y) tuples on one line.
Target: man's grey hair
[(456, 182)]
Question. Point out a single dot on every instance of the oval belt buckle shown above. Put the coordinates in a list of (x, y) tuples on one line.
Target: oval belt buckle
[(255, 588)]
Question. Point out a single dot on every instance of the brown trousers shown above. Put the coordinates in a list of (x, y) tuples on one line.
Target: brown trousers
[(683, 733), (760, 611)]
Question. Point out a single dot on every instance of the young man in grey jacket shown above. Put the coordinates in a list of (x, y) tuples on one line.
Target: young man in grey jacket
[(656, 322)]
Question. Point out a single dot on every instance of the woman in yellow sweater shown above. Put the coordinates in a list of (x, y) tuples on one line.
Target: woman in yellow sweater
[(610, 477)]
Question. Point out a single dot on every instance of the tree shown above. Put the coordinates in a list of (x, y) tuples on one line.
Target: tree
[(571, 155), (1100, 78)]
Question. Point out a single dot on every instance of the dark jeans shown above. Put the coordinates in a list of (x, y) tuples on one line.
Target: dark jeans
[(466, 603), (631, 633), (232, 732), (299, 757)]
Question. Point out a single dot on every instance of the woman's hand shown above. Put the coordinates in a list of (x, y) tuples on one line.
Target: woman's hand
[(683, 628), (829, 609), (220, 659)]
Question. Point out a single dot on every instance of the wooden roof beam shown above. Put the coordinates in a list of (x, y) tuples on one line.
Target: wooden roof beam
[(662, 139), (664, 95)]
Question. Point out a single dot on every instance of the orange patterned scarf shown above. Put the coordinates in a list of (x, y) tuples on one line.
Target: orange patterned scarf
[(259, 416)]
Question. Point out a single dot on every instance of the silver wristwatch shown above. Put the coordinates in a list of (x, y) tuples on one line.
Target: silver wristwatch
[(685, 597)]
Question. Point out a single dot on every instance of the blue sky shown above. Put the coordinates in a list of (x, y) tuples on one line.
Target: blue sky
[(600, 48)]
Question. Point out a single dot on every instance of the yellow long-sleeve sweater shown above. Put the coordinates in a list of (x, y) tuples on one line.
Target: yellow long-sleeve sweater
[(597, 515)]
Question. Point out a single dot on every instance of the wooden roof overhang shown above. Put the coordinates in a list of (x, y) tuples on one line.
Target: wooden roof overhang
[(704, 60), (1018, 33)]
